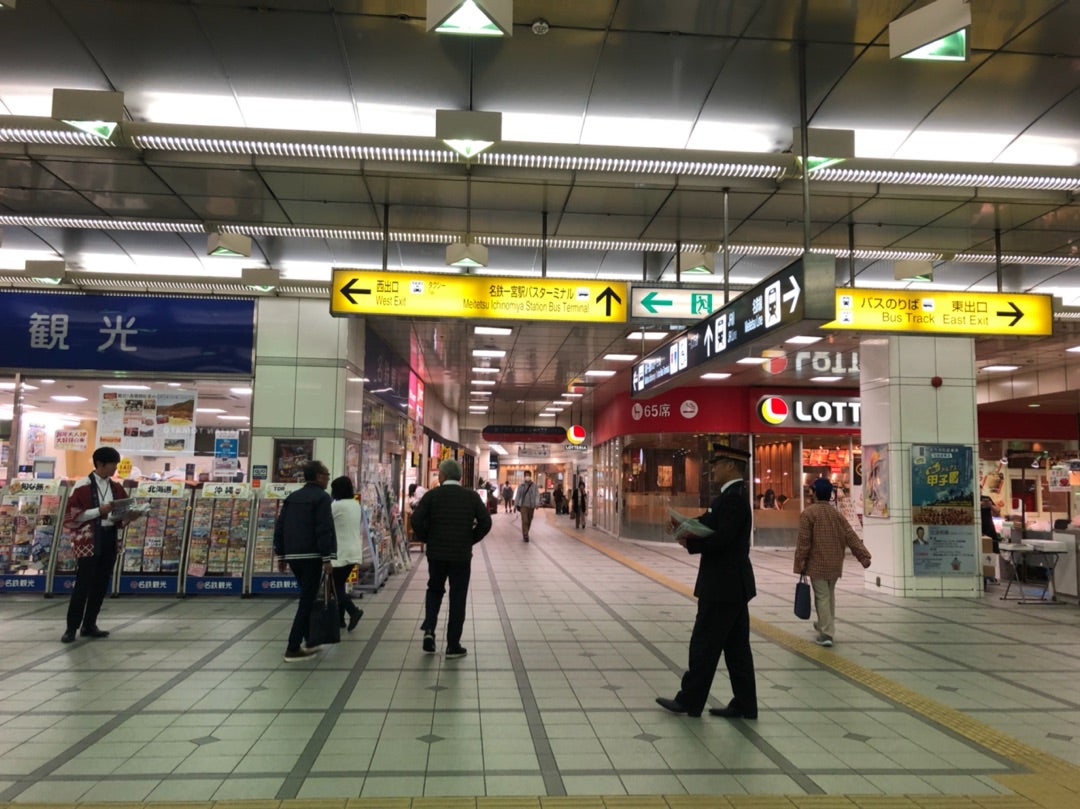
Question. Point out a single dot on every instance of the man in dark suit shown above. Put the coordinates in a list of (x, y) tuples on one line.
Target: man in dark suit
[(725, 585)]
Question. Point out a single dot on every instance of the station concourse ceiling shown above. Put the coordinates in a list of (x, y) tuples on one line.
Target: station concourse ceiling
[(630, 129)]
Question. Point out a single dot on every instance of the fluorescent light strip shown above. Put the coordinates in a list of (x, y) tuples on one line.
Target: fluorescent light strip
[(620, 357), (1000, 368), (484, 382), (600, 373), (934, 178), (54, 137), (485, 370), (802, 340), (686, 168), (493, 330), (825, 378), (715, 375), (266, 148)]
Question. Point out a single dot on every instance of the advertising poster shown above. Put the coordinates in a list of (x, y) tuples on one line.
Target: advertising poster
[(290, 455), (147, 422), (875, 463), (70, 440), (943, 510)]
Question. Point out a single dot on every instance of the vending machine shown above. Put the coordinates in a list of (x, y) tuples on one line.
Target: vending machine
[(218, 539), (31, 512), (152, 544), (264, 577)]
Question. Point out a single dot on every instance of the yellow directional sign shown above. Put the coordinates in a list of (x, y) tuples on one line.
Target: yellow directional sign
[(356, 292), (907, 310)]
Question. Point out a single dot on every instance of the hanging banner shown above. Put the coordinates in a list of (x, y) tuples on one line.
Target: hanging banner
[(148, 421), (944, 540), (875, 459)]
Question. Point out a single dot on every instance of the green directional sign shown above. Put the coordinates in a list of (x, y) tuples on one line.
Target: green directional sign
[(669, 303)]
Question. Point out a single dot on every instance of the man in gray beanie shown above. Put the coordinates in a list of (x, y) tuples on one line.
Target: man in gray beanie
[(449, 520)]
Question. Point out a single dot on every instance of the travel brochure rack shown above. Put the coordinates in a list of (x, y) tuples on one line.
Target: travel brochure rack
[(264, 578), (153, 545), (30, 515), (218, 539)]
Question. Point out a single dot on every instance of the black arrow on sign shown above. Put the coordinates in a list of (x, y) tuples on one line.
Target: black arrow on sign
[(1015, 314), (605, 297), (348, 291)]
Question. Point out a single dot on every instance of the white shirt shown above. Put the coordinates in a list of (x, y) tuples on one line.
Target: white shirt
[(351, 532)]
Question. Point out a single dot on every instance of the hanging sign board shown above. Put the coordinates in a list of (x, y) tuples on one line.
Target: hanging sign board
[(946, 312)]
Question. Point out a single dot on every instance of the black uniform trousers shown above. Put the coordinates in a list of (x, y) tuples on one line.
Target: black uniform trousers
[(459, 574), (92, 582), (720, 628)]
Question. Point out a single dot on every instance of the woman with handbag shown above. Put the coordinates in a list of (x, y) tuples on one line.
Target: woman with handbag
[(351, 538), (824, 534)]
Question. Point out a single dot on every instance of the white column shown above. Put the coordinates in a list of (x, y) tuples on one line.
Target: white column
[(304, 359), (901, 407)]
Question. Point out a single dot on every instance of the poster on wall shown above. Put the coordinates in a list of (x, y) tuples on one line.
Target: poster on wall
[(875, 463), (943, 510), (70, 440), (290, 455), (149, 422)]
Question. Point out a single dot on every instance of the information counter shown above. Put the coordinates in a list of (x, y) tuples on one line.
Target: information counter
[(1067, 572)]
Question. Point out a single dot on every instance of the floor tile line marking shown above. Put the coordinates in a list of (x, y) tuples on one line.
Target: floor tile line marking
[(1012, 749)]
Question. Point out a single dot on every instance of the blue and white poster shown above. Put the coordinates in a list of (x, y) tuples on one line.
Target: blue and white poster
[(944, 537)]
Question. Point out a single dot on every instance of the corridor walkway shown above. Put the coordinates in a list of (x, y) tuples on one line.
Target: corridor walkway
[(956, 703)]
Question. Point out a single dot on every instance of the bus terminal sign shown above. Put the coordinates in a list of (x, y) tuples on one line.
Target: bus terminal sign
[(796, 412)]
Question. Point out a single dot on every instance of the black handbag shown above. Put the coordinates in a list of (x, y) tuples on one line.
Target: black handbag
[(802, 598), (325, 624)]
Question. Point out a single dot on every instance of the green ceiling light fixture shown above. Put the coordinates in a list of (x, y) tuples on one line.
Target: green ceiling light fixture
[(837, 144), (235, 245), (468, 132), (96, 112), (50, 273), (466, 254), (697, 262), (936, 32), (918, 270), (260, 279), (478, 18)]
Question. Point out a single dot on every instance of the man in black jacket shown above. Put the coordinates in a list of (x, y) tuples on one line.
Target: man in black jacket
[(449, 519), (725, 584), (304, 538)]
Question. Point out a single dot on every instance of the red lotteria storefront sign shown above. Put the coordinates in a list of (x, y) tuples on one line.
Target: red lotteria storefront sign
[(807, 413)]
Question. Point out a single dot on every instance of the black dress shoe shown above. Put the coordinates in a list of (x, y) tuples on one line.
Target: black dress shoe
[(68, 636), (675, 707), (732, 712), (354, 619), (93, 632)]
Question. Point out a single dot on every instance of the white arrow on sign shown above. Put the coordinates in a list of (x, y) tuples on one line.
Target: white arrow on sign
[(792, 294)]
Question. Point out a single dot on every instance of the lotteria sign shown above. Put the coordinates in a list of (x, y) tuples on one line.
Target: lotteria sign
[(807, 413)]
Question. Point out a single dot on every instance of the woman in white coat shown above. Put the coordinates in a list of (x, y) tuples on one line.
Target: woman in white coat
[(351, 538)]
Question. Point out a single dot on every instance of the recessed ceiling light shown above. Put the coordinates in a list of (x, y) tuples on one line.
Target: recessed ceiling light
[(646, 335), (494, 330), (240, 391), (489, 352), (126, 387), (573, 395), (1034, 404), (51, 381), (716, 375), (825, 378), (600, 373), (1073, 349), (753, 361), (480, 392), (620, 357), (561, 403), (175, 384), (354, 412), (802, 340), (358, 379), (209, 410), (553, 410), (68, 398), (485, 370), (479, 408), (484, 382), (999, 368), (544, 415)]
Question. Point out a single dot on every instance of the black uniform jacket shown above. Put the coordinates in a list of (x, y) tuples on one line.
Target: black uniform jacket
[(725, 573)]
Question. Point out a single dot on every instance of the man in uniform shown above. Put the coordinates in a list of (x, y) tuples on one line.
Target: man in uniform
[(725, 585)]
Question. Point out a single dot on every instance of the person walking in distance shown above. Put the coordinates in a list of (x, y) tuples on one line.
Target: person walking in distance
[(577, 504), (507, 493), (95, 541), (824, 534), (724, 587), (304, 538), (526, 499), (351, 533), (449, 519)]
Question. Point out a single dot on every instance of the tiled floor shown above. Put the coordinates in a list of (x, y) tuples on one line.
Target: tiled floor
[(570, 637)]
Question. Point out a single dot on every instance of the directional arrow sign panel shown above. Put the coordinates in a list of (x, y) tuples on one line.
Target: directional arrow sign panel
[(776, 302), (904, 310), (357, 292), (666, 303)]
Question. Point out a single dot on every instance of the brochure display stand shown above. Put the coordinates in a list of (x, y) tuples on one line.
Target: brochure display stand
[(30, 515), (152, 544), (218, 539), (264, 577)]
